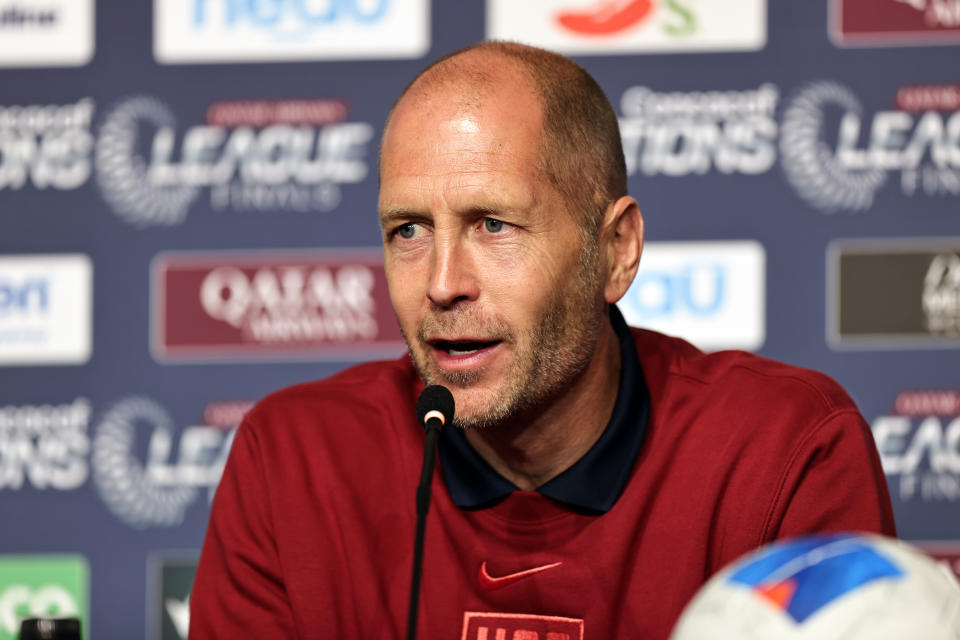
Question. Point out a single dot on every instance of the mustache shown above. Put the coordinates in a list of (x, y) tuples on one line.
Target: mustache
[(461, 322)]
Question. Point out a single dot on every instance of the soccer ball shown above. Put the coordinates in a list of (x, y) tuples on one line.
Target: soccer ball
[(827, 587)]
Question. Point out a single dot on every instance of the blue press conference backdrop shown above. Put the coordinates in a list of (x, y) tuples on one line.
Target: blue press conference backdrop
[(188, 222)]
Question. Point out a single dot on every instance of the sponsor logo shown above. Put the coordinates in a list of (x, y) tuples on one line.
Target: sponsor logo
[(491, 583), (833, 153), (837, 157), (631, 26), (44, 446), (42, 586), (893, 22), (894, 294), (147, 473), (156, 489), (330, 305), (494, 626), (710, 293), (946, 553), (248, 156), (172, 577), (919, 445), (51, 33), (45, 146), (16, 16), (801, 578), (190, 31), (684, 133), (46, 309), (606, 18)]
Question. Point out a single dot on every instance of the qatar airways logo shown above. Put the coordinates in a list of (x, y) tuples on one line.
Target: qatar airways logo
[(838, 156), (919, 445), (893, 22), (936, 13), (263, 155), (281, 305), (630, 26)]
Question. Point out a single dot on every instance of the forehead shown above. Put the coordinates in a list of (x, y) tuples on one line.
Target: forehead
[(458, 136)]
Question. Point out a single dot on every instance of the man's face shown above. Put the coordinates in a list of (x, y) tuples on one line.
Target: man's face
[(494, 290)]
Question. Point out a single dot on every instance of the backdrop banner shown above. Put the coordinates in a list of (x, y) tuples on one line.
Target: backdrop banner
[(188, 195)]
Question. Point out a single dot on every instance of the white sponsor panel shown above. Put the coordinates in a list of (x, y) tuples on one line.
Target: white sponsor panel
[(47, 33), (199, 31), (630, 26), (709, 293), (46, 309), (54, 33)]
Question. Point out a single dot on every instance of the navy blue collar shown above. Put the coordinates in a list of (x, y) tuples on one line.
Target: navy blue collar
[(596, 480)]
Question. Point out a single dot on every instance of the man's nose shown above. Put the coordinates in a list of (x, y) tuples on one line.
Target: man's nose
[(453, 278)]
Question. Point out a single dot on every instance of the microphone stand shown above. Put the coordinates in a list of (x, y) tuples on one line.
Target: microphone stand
[(423, 505)]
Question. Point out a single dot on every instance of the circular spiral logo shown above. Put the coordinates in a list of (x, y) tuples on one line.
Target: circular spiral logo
[(123, 173), (122, 479), (809, 163)]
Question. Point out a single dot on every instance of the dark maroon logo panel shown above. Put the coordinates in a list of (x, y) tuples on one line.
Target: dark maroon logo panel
[(327, 305)]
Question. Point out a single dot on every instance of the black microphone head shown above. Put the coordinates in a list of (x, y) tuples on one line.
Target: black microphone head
[(435, 402)]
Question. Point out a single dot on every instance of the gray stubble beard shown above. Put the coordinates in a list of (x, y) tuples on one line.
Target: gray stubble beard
[(560, 348)]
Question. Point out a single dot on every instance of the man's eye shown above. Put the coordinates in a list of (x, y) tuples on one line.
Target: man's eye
[(407, 231), (492, 225)]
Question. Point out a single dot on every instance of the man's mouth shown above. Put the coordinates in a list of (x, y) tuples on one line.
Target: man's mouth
[(460, 348)]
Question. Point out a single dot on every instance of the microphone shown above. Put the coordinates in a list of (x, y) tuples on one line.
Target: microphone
[(435, 403), (434, 409)]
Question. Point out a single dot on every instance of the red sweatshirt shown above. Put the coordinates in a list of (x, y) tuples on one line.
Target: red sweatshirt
[(311, 532)]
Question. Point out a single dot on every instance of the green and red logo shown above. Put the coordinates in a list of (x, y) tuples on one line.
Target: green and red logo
[(43, 586)]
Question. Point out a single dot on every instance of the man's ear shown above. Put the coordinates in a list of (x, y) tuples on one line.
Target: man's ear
[(621, 237)]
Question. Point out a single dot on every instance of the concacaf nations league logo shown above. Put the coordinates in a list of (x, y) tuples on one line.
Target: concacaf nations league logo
[(158, 490), (837, 157), (247, 155), (818, 173), (125, 178)]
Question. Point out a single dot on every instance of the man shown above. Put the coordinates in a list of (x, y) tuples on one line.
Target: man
[(600, 474)]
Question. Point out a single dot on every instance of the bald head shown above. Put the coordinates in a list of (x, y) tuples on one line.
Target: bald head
[(579, 151)]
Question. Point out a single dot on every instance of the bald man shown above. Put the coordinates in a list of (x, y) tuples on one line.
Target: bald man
[(597, 475)]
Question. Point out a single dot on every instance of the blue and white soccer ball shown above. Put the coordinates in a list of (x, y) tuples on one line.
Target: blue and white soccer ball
[(827, 587)]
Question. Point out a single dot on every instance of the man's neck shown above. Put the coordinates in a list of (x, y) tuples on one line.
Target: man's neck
[(532, 454)]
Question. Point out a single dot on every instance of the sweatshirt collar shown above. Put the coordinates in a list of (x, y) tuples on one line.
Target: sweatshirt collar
[(596, 480)]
